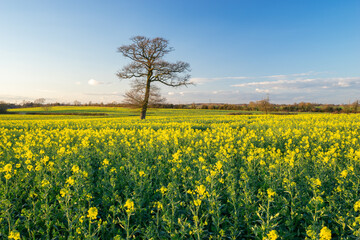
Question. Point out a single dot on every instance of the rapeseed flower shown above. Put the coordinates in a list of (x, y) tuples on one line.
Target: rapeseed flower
[(70, 181), (44, 183), (75, 169), (197, 202), (271, 194), (7, 168), (14, 235), (92, 213), (325, 234), (163, 190), (344, 174), (357, 206), (129, 205), (272, 235)]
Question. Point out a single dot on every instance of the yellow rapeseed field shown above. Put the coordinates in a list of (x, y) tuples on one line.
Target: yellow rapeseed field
[(180, 177)]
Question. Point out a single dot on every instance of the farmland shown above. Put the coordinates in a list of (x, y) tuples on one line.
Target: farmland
[(179, 174)]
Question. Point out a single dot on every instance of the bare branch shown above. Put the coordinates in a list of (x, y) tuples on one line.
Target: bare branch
[(148, 66)]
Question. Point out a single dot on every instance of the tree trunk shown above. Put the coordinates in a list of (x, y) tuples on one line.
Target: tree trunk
[(146, 100)]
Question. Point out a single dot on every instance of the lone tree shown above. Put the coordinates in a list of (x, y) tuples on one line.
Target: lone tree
[(148, 66), (135, 95)]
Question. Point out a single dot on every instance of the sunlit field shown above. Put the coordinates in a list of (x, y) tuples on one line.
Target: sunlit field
[(179, 174)]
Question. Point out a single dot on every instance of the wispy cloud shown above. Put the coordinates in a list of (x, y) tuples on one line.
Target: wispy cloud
[(285, 76), (45, 90), (206, 80), (200, 80), (93, 82), (104, 94), (301, 83), (274, 83)]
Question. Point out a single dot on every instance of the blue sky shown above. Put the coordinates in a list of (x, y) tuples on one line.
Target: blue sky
[(239, 51)]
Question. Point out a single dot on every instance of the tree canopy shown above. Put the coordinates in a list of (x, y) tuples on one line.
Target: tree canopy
[(148, 66)]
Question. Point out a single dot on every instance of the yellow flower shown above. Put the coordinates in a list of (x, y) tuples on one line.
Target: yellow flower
[(14, 235), (92, 213), (208, 179), (45, 160), (129, 205), (81, 219), (197, 202), (271, 194), (7, 168), (70, 181), (325, 234), (18, 165), (44, 182), (29, 167), (158, 205), (63, 192), (88, 196), (272, 235), (219, 165), (201, 190), (316, 182), (7, 176), (357, 206), (51, 164), (105, 162), (163, 190), (344, 174), (78, 231), (33, 195), (141, 173), (75, 169)]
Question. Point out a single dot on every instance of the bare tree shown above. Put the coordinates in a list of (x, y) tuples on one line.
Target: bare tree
[(148, 66), (264, 104), (135, 96), (40, 101), (355, 106)]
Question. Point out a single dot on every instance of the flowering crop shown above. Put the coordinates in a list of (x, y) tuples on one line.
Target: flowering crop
[(181, 177)]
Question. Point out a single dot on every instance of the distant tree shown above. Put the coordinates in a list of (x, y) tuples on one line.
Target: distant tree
[(264, 105), (77, 103), (3, 107), (148, 66), (40, 101), (135, 96), (253, 106), (355, 106)]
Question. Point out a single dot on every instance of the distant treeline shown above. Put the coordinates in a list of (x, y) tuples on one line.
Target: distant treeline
[(262, 105)]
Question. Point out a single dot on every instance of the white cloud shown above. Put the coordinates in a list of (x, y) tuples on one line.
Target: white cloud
[(171, 93), (93, 82), (275, 83), (206, 80), (262, 90), (201, 81), (282, 76)]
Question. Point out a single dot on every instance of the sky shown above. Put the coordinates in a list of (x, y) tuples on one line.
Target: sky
[(239, 50)]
